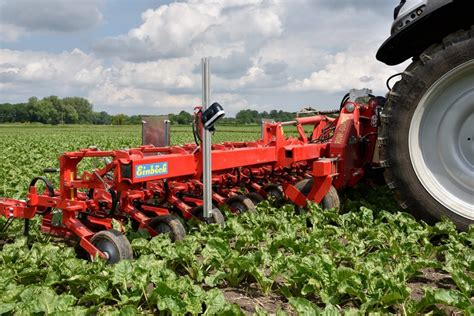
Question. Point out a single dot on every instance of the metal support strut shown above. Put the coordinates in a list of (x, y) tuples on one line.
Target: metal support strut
[(206, 142)]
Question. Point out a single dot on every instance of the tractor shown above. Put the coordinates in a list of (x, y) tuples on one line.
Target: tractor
[(426, 137)]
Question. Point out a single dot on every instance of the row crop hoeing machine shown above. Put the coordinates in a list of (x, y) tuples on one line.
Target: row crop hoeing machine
[(150, 186)]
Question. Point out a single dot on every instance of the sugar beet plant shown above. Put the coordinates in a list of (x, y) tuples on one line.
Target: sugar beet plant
[(370, 259), (320, 262)]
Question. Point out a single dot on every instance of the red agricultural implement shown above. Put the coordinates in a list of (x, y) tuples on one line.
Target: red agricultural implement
[(151, 186)]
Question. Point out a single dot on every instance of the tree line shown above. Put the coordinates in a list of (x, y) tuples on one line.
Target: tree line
[(77, 110)]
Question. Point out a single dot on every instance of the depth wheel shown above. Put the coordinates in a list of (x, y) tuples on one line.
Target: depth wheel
[(240, 204), (426, 136), (216, 216), (170, 225), (113, 244), (330, 200), (255, 197), (275, 192)]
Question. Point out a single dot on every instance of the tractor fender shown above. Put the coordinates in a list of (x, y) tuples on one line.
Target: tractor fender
[(422, 26)]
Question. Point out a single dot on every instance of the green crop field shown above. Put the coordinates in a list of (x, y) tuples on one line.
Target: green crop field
[(368, 258)]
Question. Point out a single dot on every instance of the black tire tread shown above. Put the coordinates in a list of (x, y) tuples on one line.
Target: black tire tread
[(275, 191), (121, 242), (217, 216), (331, 199), (177, 229), (255, 197), (241, 199), (441, 57)]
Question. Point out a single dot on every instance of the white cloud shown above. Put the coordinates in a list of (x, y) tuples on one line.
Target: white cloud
[(162, 74), (232, 102), (355, 68), (184, 29), (253, 75), (120, 85), (123, 99), (21, 17), (68, 68)]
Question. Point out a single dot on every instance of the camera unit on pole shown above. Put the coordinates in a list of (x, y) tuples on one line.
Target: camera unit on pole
[(211, 115)]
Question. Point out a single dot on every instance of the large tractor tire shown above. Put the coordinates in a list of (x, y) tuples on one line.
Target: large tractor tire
[(427, 133)]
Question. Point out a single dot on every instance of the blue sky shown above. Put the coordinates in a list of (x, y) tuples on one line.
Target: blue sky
[(143, 56)]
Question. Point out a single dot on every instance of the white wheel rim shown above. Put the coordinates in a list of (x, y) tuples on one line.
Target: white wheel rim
[(440, 140)]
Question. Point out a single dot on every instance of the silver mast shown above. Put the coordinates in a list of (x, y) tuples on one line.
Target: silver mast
[(206, 141)]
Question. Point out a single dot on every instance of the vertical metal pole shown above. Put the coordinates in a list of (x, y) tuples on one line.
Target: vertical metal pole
[(206, 142), (167, 133), (143, 132)]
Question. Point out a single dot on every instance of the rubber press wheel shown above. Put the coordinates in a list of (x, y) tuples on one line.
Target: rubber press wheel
[(240, 204), (427, 136), (330, 200), (168, 224), (275, 192), (113, 244), (216, 217), (255, 197)]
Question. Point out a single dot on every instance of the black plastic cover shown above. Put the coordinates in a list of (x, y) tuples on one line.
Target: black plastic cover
[(211, 115), (439, 19)]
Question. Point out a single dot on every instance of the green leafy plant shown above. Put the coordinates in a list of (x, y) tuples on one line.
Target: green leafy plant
[(370, 259)]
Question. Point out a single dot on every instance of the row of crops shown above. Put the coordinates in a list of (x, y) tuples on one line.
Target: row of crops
[(369, 258)]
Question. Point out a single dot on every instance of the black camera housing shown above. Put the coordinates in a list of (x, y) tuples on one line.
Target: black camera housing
[(211, 115)]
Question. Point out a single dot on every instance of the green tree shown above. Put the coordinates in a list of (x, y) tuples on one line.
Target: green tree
[(119, 119), (134, 120), (248, 117), (7, 113), (82, 107), (69, 114), (65, 113), (184, 118), (101, 118), (43, 111), (20, 113)]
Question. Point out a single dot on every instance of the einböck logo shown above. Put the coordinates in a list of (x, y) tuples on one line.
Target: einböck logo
[(151, 169)]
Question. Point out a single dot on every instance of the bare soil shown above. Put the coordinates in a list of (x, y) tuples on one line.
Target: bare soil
[(249, 297)]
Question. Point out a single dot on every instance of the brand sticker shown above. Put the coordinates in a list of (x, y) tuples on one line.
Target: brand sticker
[(151, 169)]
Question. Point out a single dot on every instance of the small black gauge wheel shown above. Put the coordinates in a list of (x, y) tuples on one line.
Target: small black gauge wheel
[(168, 224), (113, 244)]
